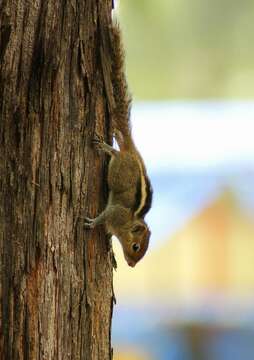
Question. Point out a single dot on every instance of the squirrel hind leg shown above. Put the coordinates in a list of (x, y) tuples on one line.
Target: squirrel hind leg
[(119, 139), (102, 146)]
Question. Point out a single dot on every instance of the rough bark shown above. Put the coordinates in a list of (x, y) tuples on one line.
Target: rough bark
[(55, 93)]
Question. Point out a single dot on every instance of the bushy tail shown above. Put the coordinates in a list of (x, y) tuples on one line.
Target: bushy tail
[(121, 112)]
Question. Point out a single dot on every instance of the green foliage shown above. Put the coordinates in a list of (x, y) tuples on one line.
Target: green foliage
[(189, 49)]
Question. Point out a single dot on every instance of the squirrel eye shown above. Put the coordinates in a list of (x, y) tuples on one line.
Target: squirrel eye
[(135, 247)]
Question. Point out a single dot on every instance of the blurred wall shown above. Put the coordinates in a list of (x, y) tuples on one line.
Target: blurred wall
[(189, 49)]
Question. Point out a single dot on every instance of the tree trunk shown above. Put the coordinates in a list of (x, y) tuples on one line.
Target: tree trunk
[(55, 93)]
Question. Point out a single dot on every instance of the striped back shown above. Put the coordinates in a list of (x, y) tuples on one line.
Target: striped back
[(144, 194)]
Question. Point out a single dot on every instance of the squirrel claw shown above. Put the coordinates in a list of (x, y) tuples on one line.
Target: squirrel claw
[(89, 223), (98, 142), (97, 139)]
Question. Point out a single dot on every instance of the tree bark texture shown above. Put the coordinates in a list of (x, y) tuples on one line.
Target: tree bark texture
[(55, 93)]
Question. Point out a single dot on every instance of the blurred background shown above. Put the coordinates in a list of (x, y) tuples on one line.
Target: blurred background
[(190, 69)]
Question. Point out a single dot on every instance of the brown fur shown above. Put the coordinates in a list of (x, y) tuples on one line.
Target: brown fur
[(130, 191)]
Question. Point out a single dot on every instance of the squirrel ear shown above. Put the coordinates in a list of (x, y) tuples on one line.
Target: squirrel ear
[(138, 228)]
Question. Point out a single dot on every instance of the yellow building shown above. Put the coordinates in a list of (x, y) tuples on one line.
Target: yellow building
[(212, 254)]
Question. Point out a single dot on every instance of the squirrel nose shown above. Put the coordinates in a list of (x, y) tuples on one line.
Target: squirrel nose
[(131, 263)]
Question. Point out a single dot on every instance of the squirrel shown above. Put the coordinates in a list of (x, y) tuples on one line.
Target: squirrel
[(130, 190)]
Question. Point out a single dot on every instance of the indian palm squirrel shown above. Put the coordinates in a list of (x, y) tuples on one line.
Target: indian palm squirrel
[(130, 190)]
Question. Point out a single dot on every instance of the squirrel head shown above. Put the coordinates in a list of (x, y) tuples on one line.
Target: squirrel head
[(135, 242)]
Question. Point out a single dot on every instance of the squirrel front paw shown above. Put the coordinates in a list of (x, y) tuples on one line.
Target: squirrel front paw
[(89, 223)]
